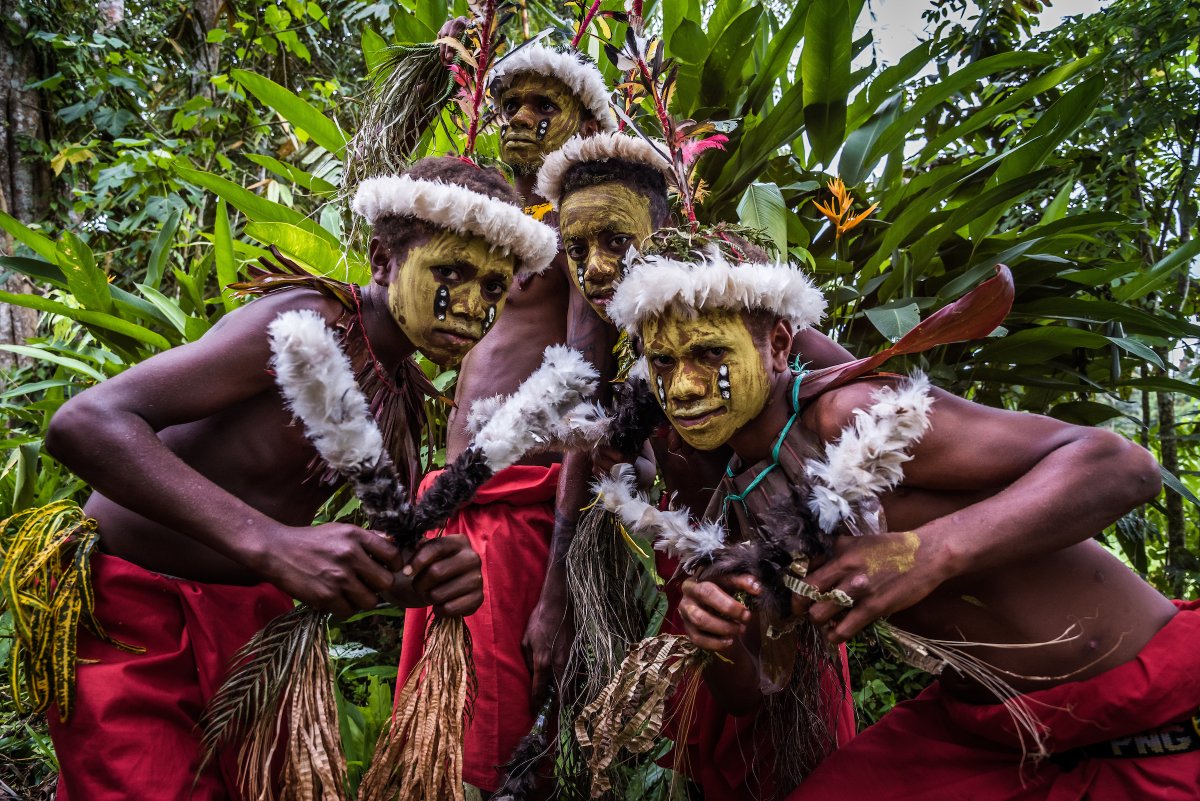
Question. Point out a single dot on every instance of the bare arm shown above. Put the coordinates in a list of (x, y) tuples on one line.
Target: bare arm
[(1049, 485), (818, 350), (109, 436)]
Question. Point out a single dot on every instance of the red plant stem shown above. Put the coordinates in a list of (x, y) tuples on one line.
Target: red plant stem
[(485, 55), (664, 119), (587, 20)]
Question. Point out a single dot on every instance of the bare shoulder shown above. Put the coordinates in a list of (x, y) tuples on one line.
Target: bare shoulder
[(258, 313), (830, 412), (228, 364)]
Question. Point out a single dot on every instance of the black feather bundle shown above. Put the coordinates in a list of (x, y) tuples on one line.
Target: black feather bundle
[(789, 518), (520, 772), (789, 532), (451, 490), (636, 414), (384, 499)]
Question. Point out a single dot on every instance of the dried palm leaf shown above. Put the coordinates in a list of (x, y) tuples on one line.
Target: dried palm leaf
[(278, 698), (417, 759), (628, 715), (46, 585)]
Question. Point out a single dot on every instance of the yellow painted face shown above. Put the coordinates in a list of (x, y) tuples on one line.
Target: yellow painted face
[(447, 293), (710, 377), (598, 225), (538, 114)]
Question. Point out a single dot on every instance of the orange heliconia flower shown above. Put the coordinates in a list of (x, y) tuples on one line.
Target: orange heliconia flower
[(839, 207)]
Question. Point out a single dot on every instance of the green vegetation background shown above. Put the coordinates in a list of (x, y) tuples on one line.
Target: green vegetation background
[(160, 146)]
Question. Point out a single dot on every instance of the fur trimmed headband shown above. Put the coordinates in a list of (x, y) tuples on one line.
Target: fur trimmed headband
[(579, 75), (655, 283), (505, 226), (601, 147)]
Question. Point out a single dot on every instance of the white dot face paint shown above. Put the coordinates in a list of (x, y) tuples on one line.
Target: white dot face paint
[(710, 375), (446, 292), (598, 225), (441, 302), (723, 381)]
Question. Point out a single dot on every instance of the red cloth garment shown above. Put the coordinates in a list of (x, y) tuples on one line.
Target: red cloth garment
[(133, 732), (937, 747), (509, 524), (728, 756)]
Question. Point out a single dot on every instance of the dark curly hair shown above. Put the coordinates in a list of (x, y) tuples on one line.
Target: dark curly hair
[(398, 232), (638, 178)]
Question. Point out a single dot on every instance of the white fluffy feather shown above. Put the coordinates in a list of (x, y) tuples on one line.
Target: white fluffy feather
[(672, 531), (868, 459), (655, 283), (601, 147), (640, 369), (504, 226), (317, 382), (579, 75), (532, 417)]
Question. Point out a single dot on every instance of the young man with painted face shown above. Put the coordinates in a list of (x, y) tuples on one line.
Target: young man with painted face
[(542, 97), (610, 191), (205, 487), (985, 545)]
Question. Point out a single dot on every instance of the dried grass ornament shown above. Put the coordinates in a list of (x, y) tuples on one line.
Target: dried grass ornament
[(629, 714), (281, 683), (601, 556)]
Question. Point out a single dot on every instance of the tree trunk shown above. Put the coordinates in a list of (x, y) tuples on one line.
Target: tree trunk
[(1176, 527), (205, 14), (24, 182)]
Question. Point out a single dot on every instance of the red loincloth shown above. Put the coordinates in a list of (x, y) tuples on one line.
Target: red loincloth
[(726, 756), (509, 524), (937, 747), (133, 732)]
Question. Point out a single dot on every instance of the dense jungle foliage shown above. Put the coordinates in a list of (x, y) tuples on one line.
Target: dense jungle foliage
[(155, 147)]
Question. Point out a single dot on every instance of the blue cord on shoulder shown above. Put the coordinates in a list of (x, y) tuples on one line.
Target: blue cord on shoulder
[(795, 404)]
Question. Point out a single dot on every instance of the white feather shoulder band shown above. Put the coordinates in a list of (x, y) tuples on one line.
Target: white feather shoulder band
[(601, 147), (655, 283), (579, 75), (317, 383), (504, 226), (868, 459)]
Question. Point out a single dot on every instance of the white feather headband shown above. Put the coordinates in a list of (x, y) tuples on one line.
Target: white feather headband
[(655, 283), (504, 226), (601, 147), (579, 75)]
